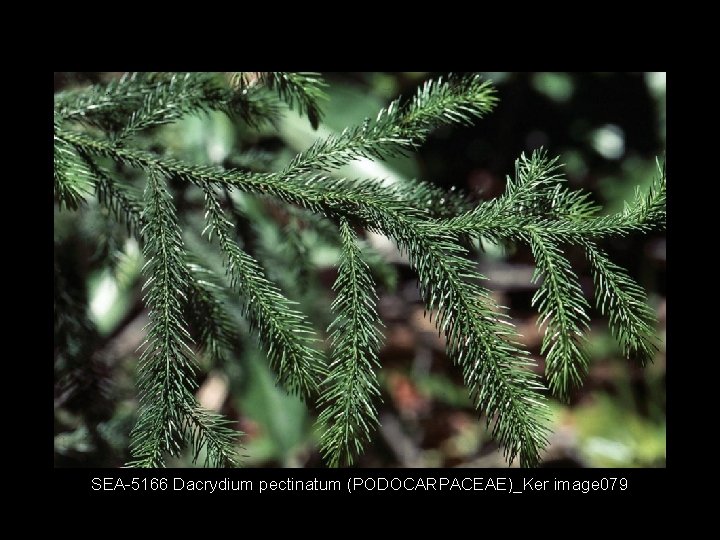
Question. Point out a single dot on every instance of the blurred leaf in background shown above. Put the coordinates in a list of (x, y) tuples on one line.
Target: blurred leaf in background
[(284, 427)]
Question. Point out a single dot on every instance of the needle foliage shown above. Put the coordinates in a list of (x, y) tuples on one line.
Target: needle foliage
[(105, 132)]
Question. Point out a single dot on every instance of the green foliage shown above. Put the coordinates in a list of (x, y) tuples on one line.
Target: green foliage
[(300, 90), (349, 413), (71, 178), (538, 210), (285, 334), (631, 320), (190, 305), (562, 305), (168, 413)]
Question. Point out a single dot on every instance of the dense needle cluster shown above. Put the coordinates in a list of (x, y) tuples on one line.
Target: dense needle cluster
[(98, 130)]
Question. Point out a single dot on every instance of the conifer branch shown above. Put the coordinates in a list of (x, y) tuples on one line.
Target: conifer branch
[(139, 101), (317, 193), (479, 337), (536, 203), (631, 320), (538, 210), (167, 368), (207, 313), (348, 414), (205, 306), (211, 432), (284, 332), (396, 129), (303, 91), (70, 178), (118, 198), (562, 306), (107, 104), (178, 96)]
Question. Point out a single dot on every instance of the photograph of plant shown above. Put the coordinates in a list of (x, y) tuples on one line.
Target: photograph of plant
[(275, 269)]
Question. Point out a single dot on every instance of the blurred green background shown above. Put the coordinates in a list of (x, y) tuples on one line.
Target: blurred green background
[(608, 129)]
